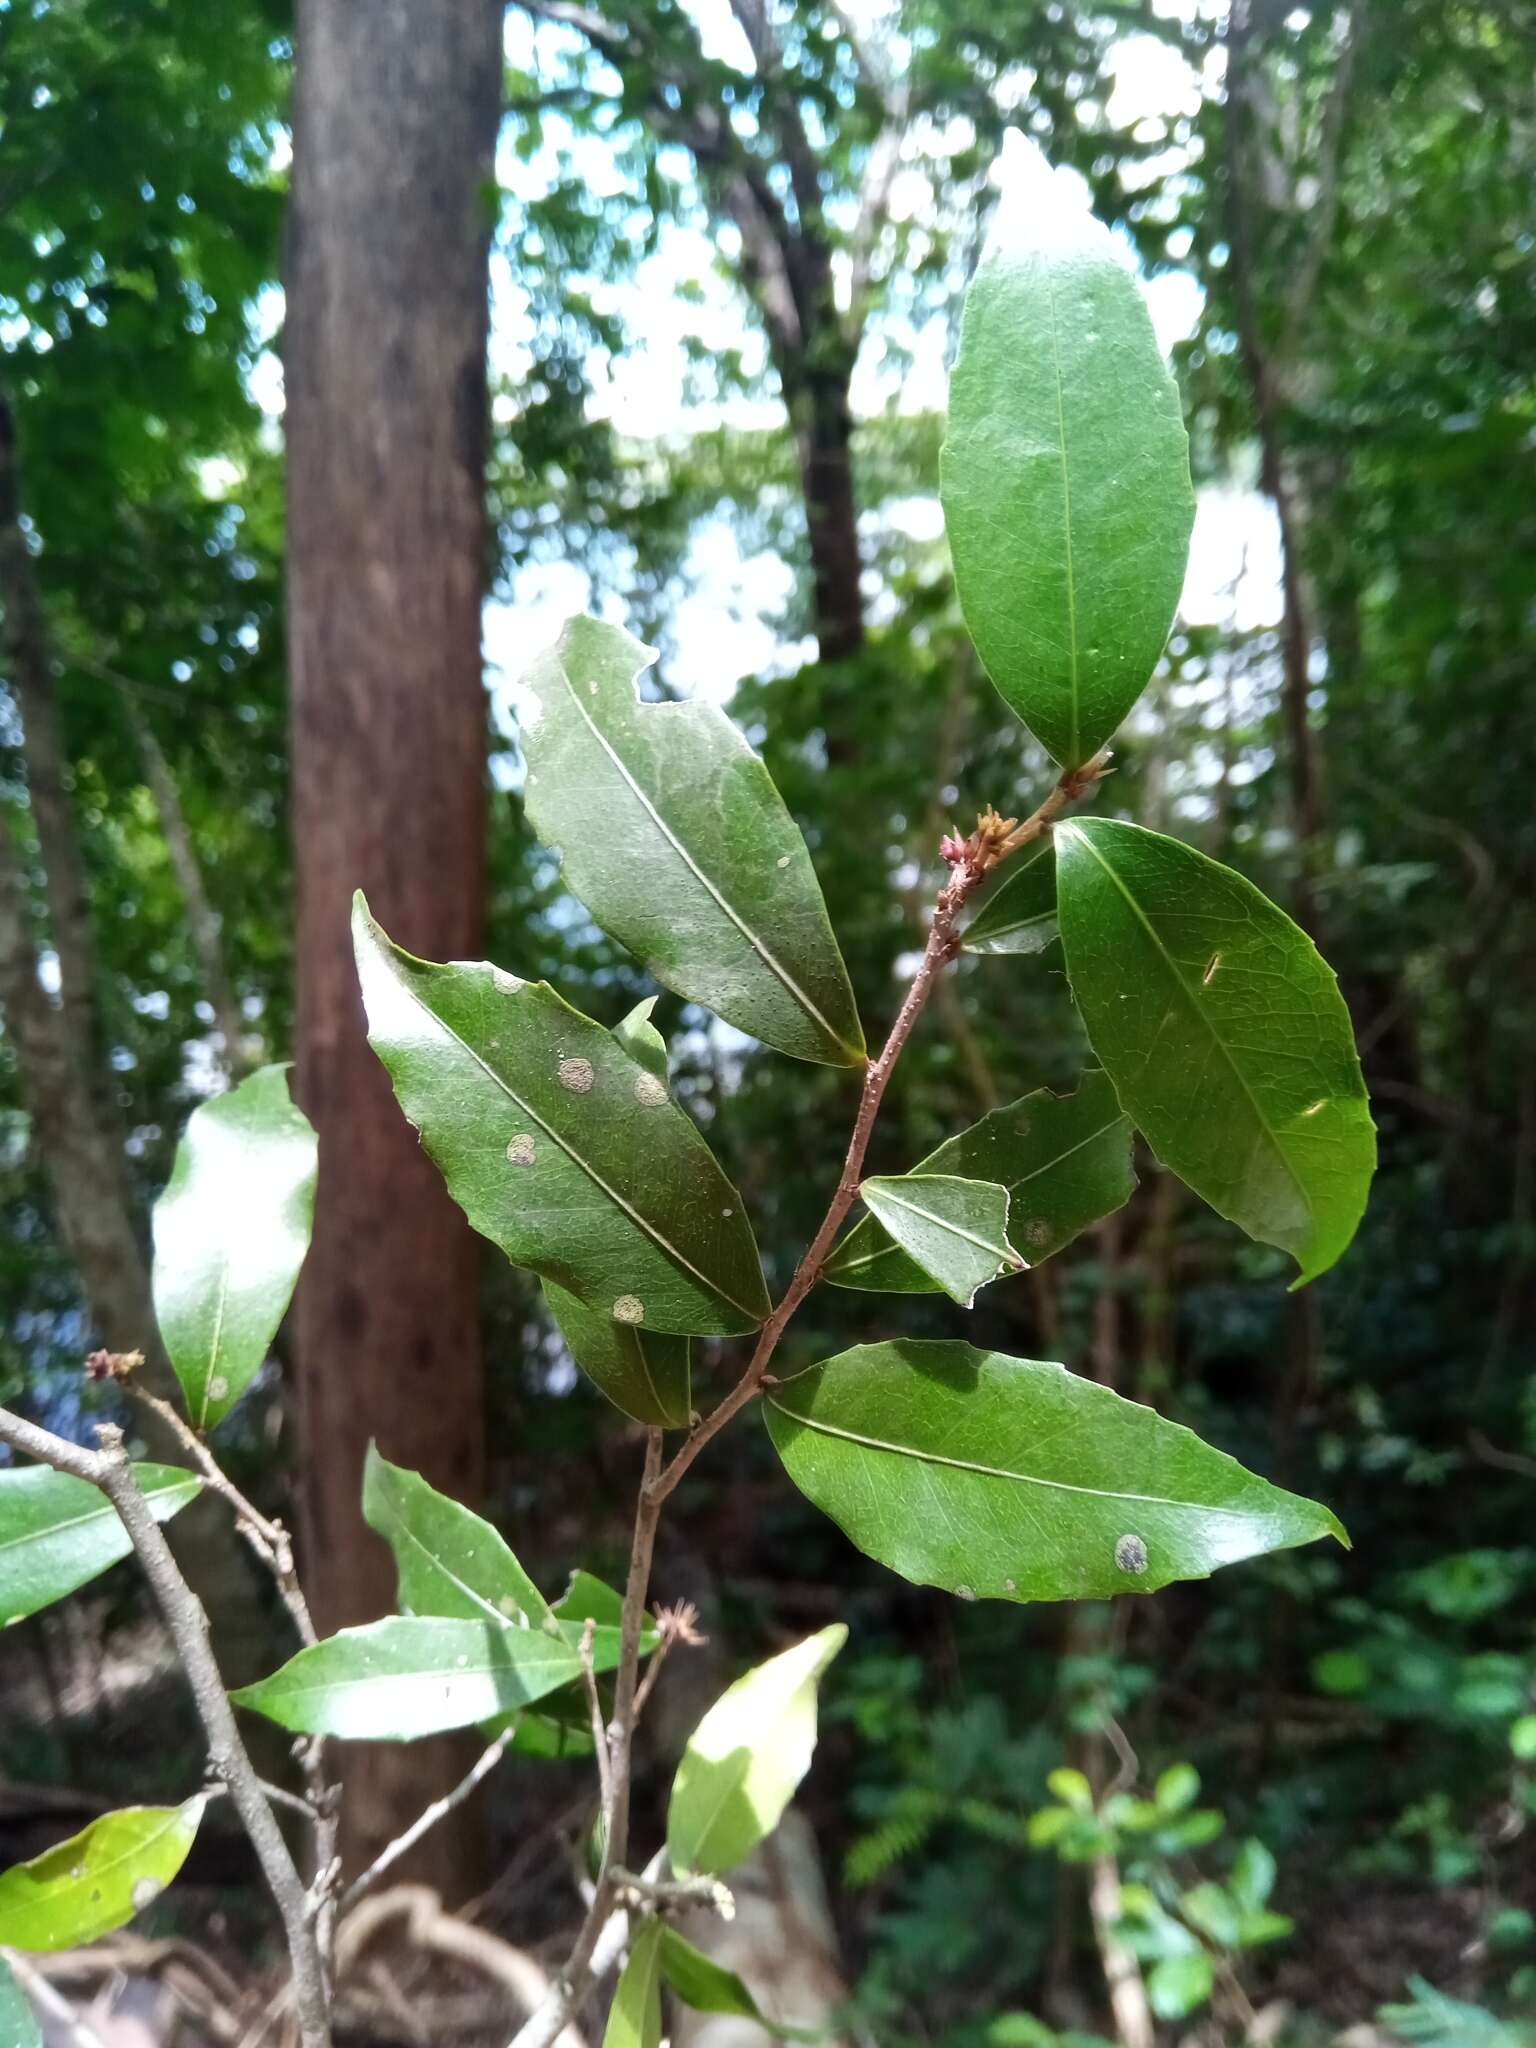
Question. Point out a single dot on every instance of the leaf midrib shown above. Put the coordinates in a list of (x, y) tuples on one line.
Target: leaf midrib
[(1066, 501), (1198, 1013), (641, 1223), (759, 946), (102, 1514), (874, 1443), (1004, 1252)]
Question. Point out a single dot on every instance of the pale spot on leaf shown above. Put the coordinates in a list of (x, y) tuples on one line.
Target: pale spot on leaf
[(145, 1892), (521, 1150), (650, 1090), (1131, 1554), (576, 1075)]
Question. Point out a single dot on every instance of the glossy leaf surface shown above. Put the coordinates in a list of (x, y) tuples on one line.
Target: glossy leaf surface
[(1224, 1033), (394, 1680), (746, 1757), (1065, 1161), (451, 1563), (671, 832), (1065, 476), (231, 1231), (57, 1533), (634, 2018), (1019, 916), (558, 1146), (1006, 1479), (98, 1879), (18, 2022), (644, 1372), (954, 1230)]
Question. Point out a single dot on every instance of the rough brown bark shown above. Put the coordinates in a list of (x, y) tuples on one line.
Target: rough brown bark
[(396, 111)]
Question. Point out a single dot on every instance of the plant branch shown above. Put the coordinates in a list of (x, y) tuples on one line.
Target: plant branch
[(110, 1472), (426, 1820)]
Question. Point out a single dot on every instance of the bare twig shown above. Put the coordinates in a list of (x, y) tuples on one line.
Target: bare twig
[(595, 1706), (428, 1819), (50, 2003), (109, 1470)]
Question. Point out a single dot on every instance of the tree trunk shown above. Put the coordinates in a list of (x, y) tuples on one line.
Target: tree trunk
[(823, 420), (396, 112)]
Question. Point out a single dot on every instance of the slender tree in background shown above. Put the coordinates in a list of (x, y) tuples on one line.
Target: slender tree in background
[(394, 136)]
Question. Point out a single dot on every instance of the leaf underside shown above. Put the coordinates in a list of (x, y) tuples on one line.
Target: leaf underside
[(1224, 1033), (646, 1373), (1005, 1478), (955, 1230), (1019, 916)]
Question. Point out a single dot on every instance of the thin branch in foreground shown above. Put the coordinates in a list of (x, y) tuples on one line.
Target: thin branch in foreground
[(426, 1820), (110, 1472)]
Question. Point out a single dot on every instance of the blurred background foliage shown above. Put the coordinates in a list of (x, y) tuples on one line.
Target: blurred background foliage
[(1336, 201)]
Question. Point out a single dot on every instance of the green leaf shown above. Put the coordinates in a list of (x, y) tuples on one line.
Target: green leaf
[(1210, 1911), (1065, 475), (634, 2018), (1071, 1788), (450, 1562), (98, 1879), (56, 1533), (671, 832), (707, 1986), (746, 1757), (231, 1231), (955, 1231), (558, 1146), (1178, 1985), (18, 2022), (394, 1680), (1019, 916), (1177, 1788), (641, 1040), (644, 1372), (1006, 1479), (1224, 1033), (1253, 1875), (1522, 1738), (1064, 1159), (561, 1726)]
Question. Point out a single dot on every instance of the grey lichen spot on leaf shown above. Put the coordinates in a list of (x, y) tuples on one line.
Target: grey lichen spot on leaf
[(507, 984), (576, 1075), (650, 1090), (629, 1308), (218, 1388), (1131, 1555), (965, 1592), (521, 1150), (145, 1892)]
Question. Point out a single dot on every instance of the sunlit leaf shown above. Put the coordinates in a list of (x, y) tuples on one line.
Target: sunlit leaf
[(231, 1231), (644, 1372), (746, 1757), (394, 1680), (558, 1146), (634, 2018), (56, 1533), (1224, 1033), (1065, 1161), (1179, 1985), (450, 1562), (1019, 916), (671, 832), (98, 1879), (561, 1725), (1065, 475), (18, 2022), (955, 1230), (1006, 1479)]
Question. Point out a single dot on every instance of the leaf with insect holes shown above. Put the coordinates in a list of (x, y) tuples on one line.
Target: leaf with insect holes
[(231, 1231), (97, 1880), (1007, 1479), (1065, 1161), (1019, 916), (394, 1680), (746, 1757), (670, 830), (18, 2022), (954, 1230), (643, 1372), (57, 1533), (1224, 1033), (450, 1562), (634, 2018), (559, 1146), (1065, 473)]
